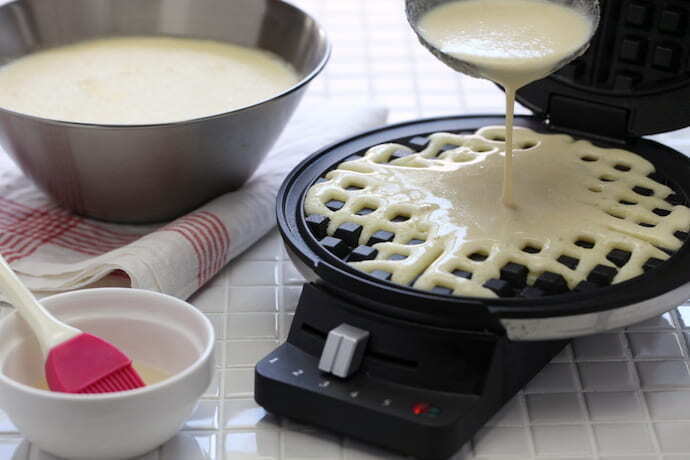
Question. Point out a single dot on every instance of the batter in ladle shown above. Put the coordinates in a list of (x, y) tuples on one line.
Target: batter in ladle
[(511, 42)]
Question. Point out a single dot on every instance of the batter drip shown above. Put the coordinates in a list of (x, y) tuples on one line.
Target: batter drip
[(511, 42), (442, 204)]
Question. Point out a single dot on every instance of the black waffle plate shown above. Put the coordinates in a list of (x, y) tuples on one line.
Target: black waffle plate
[(326, 255)]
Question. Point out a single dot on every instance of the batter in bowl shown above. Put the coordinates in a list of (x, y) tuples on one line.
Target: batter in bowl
[(579, 202), (511, 42), (141, 80)]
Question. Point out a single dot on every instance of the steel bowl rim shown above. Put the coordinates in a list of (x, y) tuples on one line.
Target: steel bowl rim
[(296, 87)]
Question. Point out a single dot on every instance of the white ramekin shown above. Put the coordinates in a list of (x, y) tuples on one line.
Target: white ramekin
[(155, 329)]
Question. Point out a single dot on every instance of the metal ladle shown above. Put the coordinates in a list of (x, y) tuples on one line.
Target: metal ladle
[(416, 9)]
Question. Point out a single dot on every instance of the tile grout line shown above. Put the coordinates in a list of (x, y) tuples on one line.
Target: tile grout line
[(527, 430), (220, 432), (639, 393), (580, 392), (680, 333), (281, 439)]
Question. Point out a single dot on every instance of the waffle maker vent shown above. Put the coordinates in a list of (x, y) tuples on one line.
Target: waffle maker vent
[(420, 372)]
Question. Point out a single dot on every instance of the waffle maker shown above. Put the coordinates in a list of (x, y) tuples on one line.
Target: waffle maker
[(420, 372)]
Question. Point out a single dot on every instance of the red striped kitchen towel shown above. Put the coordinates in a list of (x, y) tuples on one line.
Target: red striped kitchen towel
[(54, 250)]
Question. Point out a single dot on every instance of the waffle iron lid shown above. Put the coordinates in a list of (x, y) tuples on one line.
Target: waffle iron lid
[(633, 81)]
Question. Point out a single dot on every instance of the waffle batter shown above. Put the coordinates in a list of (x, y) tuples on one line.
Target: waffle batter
[(442, 204), (511, 42), (141, 80)]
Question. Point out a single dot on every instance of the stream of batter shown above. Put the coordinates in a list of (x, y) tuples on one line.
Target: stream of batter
[(510, 42)]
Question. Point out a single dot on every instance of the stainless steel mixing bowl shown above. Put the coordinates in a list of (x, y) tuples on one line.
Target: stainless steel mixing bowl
[(154, 172)]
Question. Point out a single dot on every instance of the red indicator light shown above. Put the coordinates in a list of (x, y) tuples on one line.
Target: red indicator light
[(425, 409), (421, 408)]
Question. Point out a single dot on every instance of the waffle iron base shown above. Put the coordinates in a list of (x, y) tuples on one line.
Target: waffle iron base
[(426, 405)]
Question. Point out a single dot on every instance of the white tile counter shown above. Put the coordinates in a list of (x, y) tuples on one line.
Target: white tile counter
[(623, 395)]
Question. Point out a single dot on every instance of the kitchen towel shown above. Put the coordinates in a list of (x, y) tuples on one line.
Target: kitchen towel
[(54, 250)]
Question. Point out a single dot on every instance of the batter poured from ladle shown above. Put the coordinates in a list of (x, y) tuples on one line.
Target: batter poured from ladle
[(511, 42)]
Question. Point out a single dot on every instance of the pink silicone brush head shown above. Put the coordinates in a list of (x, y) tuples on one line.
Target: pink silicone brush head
[(89, 364)]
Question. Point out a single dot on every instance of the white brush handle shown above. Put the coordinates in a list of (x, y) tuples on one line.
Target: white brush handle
[(49, 331)]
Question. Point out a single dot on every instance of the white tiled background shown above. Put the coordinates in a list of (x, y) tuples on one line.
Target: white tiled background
[(623, 395)]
